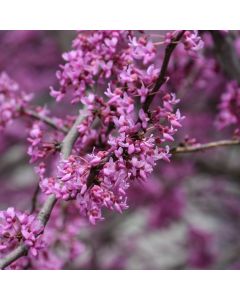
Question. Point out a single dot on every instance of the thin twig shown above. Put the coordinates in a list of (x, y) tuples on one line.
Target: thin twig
[(201, 147), (45, 212), (45, 119), (162, 76)]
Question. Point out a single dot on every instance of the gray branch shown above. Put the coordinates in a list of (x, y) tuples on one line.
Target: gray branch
[(201, 147), (45, 119)]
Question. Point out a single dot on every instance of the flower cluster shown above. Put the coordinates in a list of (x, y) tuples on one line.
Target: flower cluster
[(12, 100), (100, 179), (98, 56), (119, 140), (122, 84), (105, 60), (94, 55), (17, 227)]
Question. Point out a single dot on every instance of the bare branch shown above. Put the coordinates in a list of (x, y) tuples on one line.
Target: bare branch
[(162, 76), (46, 120), (201, 147), (70, 138)]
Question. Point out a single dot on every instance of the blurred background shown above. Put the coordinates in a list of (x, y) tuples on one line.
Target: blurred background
[(187, 215)]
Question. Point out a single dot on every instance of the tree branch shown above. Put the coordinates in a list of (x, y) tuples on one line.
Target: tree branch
[(201, 147), (70, 138), (162, 76), (46, 120), (45, 212)]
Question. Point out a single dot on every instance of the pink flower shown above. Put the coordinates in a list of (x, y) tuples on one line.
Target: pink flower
[(143, 92), (192, 41), (143, 117)]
